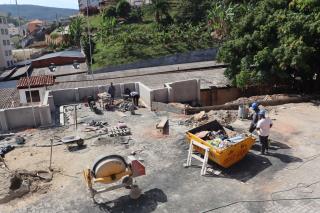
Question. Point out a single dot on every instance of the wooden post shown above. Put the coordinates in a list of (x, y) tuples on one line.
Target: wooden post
[(51, 149)]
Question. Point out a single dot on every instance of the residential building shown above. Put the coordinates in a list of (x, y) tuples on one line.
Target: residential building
[(83, 4), (33, 89), (6, 59), (139, 2), (34, 25)]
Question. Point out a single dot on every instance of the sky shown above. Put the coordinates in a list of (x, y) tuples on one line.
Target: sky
[(51, 3)]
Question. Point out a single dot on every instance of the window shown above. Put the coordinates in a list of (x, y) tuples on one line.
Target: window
[(6, 53), (2, 31), (6, 31), (4, 42), (8, 63), (10, 52), (34, 94), (8, 42), (1, 20)]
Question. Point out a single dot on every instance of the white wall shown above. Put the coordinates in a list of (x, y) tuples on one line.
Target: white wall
[(23, 117), (23, 98), (184, 91)]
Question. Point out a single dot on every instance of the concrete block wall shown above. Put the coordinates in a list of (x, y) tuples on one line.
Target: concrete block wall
[(161, 95), (184, 91), (64, 96), (146, 94)]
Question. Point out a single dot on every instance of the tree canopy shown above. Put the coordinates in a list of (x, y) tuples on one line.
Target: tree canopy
[(275, 41)]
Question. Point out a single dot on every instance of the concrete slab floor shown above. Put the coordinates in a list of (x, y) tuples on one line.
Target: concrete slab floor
[(169, 187)]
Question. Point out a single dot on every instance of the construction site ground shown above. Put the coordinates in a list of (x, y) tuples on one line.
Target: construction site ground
[(284, 181)]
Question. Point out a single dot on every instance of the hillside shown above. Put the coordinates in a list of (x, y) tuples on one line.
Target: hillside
[(37, 12)]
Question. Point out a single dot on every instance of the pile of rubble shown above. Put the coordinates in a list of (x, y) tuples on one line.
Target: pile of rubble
[(245, 100), (225, 117), (125, 106)]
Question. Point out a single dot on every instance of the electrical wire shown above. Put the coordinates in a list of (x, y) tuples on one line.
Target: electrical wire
[(25, 58)]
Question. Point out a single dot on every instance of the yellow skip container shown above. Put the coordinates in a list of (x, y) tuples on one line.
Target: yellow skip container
[(225, 157)]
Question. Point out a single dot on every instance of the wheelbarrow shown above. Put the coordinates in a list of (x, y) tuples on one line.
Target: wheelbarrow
[(71, 140)]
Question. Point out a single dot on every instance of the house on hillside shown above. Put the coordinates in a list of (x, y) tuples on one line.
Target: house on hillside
[(34, 25), (33, 89)]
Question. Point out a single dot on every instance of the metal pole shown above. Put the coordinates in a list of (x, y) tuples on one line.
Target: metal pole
[(25, 58), (51, 148), (75, 117), (90, 49)]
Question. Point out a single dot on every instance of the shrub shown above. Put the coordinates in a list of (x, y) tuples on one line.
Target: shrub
[(109, 12), (123, 9)]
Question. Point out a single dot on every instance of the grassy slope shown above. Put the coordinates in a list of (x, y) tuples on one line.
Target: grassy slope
[(139, 41)]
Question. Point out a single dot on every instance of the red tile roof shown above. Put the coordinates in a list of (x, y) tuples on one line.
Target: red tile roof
[(35, 81)]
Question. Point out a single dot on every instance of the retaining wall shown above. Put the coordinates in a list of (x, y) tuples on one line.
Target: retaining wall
[(180, 58)]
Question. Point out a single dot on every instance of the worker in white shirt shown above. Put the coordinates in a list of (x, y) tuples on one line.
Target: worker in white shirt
[(263, 127)]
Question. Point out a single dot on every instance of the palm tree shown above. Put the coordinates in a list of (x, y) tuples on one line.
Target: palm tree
[(160, 8)]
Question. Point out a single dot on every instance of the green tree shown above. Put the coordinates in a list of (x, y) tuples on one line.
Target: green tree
[(88, 47), (109, 12), (76, 30), (123, 9), (160, 9), (277, 41), (193, 11)]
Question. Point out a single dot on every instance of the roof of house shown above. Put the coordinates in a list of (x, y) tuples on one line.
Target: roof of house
[(208, 77), (36, 21), (21, 71), (61, 70), (9, 98), (35, 81), (69, 53), (6, 74)]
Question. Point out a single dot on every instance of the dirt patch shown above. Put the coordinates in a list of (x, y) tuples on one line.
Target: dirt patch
[(15, 184)]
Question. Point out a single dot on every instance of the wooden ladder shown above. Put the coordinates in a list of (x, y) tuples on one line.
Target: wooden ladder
[(203, 160)]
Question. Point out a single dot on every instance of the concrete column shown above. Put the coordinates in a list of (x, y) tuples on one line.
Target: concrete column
[(199, 91), (77, 95), (3, 120), (136, 87), (121, 89), (45, 116), (51, 103)]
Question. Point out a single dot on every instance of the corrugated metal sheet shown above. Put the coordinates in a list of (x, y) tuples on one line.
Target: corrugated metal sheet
[(73, 54)]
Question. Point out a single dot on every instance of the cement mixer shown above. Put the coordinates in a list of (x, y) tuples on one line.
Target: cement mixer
[(115, 171)]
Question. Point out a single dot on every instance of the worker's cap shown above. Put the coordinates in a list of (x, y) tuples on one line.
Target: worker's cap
[(262, 112), (254, 105)]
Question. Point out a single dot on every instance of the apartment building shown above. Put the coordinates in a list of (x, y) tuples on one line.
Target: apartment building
[(6, 59), (83, 4)]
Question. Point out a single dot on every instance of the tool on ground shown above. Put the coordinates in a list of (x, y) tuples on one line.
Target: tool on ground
[(70, 140), (117, 172)]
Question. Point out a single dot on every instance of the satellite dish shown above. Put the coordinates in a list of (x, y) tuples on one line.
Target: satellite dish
[(52, 67)]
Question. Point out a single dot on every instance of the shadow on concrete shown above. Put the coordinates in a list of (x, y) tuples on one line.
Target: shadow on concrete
[(148, 202), (250, 166), (274, 145), (76, 148), (285, 158)]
